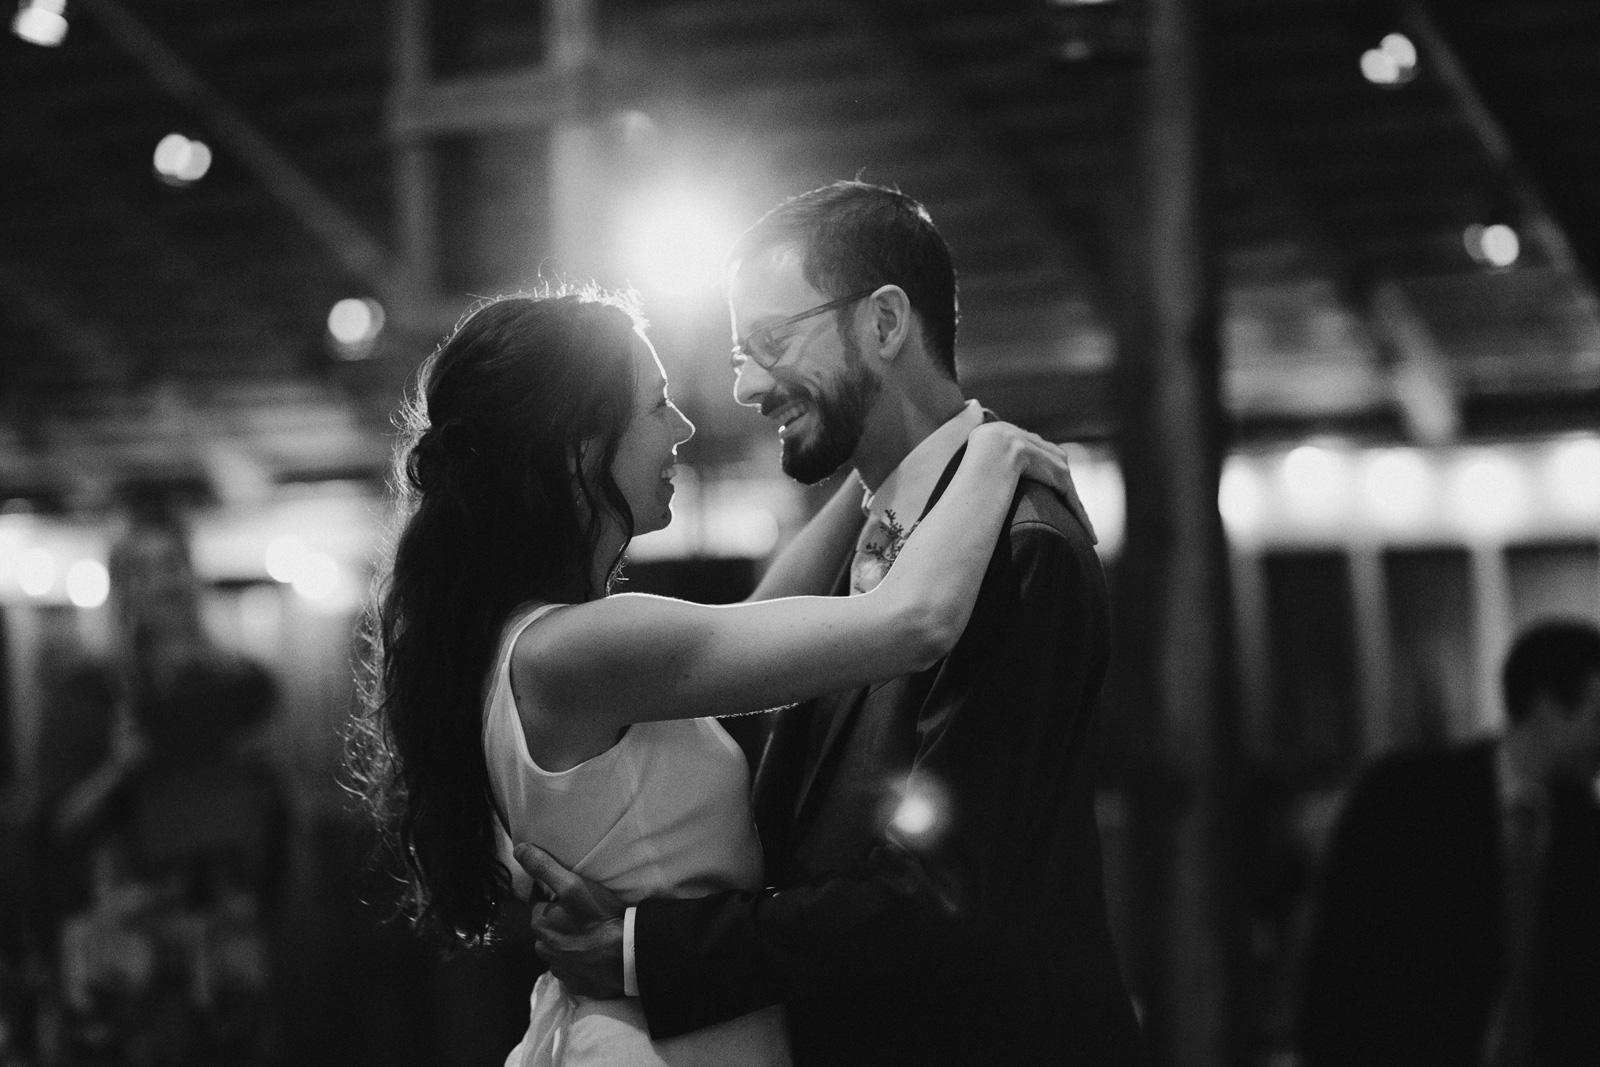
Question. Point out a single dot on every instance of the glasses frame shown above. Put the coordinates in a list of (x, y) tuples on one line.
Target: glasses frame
[(743, 350)]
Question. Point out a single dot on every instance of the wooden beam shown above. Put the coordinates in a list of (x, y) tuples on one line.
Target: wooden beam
[(540, 96), (1174, 688), (358, 252)]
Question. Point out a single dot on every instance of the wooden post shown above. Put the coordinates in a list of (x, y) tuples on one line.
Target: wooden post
[(1173, 686)]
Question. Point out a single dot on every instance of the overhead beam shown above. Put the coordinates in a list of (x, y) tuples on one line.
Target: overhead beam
[(1537, 221), (1402, 344), (541, 96), (346, 239), (70, 329), (68, 166)]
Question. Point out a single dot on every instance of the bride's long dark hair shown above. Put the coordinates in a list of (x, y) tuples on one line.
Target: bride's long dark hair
[(500, 501)]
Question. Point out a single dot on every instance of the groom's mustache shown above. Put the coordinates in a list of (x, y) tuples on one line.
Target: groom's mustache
[(782, 397)]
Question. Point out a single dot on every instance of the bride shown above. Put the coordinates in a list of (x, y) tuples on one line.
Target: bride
[(511, 696)]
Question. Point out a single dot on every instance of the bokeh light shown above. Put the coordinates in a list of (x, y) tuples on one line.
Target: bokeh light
[(88, 583), (1488, 493), (1241, 498), (922, 810), (354, 323), (1399, 48), (1316, 481), (1397, 487), (914, 816), (41, 22), (284, 555), (316, 577), (1392, 63), (1494, 246), (36, 572), (1572, 478), (180, 160)]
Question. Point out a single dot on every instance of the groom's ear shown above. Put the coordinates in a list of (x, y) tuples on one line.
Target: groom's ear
[(891, 321)]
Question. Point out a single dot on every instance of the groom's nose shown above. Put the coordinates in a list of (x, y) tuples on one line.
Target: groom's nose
[(751, 382)]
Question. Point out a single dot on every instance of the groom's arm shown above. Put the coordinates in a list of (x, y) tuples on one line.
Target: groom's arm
[(1004, 736)]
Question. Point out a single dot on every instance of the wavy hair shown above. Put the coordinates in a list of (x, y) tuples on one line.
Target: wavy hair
[(501, 500)]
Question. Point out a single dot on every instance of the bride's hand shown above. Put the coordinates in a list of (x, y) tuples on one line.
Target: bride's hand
[(1024, 454)]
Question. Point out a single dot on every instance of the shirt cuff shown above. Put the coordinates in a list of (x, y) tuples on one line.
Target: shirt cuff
[(630, 971)]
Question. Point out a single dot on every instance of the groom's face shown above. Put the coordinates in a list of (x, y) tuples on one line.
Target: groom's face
[(820, 390)]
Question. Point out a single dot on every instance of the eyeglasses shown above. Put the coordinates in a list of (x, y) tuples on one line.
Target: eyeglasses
[(757, 344)]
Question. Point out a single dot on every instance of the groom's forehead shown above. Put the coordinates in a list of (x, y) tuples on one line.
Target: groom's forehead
[(769, 285)]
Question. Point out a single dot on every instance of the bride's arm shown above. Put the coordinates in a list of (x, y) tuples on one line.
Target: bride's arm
[(635, 658), (808, 565)]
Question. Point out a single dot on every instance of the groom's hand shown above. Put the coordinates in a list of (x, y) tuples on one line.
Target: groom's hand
[(579, 934)]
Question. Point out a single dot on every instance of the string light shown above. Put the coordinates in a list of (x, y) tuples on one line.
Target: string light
[(354, 324), (1241, 498), (41, 22), (36, 571), (1494, 246), (181, 161), (1397, 487), (88, 583), (1392, 63)]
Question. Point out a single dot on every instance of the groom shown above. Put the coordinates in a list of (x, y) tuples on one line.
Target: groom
[(935, 887)]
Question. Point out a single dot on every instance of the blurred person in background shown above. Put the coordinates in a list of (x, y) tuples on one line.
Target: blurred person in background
[(514, 697), (159, 872), (981, 764), (1459, 919)]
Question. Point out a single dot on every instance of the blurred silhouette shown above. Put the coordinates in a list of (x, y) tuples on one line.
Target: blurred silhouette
[(1459, 921), (159, 872)]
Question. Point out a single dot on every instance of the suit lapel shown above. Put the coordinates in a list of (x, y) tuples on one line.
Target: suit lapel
[(843, 709)]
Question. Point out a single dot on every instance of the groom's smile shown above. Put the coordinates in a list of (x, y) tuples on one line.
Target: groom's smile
[(818, 390)]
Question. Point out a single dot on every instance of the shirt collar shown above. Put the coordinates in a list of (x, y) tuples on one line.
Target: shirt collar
[(907, 488)]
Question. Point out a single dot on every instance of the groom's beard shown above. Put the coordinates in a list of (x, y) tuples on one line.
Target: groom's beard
[(840, 417)]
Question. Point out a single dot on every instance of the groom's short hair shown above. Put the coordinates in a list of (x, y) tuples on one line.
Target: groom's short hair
[(855, 236)]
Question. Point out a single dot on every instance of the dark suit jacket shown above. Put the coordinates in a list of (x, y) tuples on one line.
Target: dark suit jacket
[(990, 944), (1407, 954)]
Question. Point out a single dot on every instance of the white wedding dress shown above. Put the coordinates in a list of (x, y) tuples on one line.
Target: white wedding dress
[(665, 812)]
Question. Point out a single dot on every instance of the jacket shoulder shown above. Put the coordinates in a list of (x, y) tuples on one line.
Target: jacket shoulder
[(1039, 508)]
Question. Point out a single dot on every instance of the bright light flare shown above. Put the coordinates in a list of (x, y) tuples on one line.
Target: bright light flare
[(673, 242), (1488, 493), (922, 811), (88, 583), (36, 571), (1572, 477), (41, 22), (1397, 487), (181, 161)]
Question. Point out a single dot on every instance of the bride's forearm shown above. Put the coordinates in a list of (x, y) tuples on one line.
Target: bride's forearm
[(941, 566), (808, 565)]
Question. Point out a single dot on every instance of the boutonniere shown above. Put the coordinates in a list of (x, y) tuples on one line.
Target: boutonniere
[(879, 550)]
